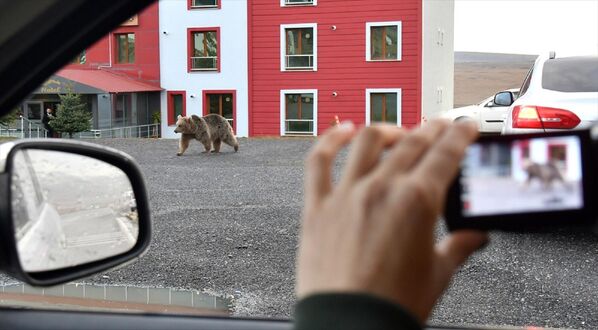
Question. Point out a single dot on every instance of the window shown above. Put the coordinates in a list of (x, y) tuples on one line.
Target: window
[(79, 59), (176, 106), (221, 103), (571, 75), (122, 110), (383, 41), (125, 48), (289, 3), (526, 82), (204, 49), (557, 154), (298, 45), (298, 112), (383, 105), (201, 4)]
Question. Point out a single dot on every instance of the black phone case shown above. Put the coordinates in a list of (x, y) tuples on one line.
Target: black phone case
[(537, 220)]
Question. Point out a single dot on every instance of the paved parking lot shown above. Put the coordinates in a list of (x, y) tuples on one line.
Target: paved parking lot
[(228, 224)]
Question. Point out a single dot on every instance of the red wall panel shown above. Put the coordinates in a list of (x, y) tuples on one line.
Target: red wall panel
[(341, 60), (147, 49)]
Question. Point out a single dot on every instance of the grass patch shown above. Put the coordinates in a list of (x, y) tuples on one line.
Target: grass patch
[(6, 139)]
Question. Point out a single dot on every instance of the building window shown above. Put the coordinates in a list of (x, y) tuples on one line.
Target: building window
[(299, 112), (204, 49), (176, 106), (125, 48), (383, 41), (289, 3), (298, 45), (383, 105), (122, 110), (557, 154), (221, 103), (202, 4), (80, 59)]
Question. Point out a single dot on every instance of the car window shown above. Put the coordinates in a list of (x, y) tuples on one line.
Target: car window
[(526, 82), (571, 75)]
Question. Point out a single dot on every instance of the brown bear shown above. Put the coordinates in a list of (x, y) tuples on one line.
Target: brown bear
[(210, 130)]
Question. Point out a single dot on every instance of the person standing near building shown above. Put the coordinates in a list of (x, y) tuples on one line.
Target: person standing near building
[(49, 115)]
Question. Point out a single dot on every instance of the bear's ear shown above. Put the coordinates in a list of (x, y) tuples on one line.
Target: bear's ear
[(179, 117)]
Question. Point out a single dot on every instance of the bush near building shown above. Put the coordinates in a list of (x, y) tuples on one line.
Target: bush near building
[(10, 117), (71, 115)]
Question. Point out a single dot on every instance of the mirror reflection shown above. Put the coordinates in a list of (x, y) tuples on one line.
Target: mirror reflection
[(70, 209)]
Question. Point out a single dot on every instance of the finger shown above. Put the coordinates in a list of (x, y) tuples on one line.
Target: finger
[(406, 153), (458, 246), (318, 164), (440, 164), (367, 148)]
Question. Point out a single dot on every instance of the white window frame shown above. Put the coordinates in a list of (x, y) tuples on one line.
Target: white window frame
[(368, 39), (204, 7), (283, 28), (283, 93), (368, 102), (283, 3)]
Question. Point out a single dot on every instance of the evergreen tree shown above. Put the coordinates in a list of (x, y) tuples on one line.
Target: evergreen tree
[(10, 117), (71, 115)]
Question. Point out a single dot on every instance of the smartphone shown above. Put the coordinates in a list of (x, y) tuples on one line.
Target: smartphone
[(525, 183)]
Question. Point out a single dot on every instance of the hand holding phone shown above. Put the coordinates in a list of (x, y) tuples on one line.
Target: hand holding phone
[(525, 182)]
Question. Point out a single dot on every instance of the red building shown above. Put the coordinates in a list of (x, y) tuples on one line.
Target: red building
[(310, 61), (133, 49), (118, 76)]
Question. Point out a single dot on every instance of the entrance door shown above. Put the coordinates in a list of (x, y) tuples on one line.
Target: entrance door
[(34, 110), (221, 103)]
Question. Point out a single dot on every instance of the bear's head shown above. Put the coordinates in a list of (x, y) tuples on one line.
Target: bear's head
[(183, 125)]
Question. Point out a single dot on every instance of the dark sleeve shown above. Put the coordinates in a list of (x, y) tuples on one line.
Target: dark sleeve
[(351, 311)]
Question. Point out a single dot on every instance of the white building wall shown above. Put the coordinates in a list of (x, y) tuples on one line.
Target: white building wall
[(175, 19), (438, 59)]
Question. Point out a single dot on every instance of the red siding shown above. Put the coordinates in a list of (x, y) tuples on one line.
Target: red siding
[(341, 60), (147, 49)]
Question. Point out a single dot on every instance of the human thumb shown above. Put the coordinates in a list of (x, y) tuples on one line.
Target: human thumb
[(459, 245)]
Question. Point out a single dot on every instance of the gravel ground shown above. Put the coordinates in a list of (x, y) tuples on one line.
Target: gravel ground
[(228, 224)]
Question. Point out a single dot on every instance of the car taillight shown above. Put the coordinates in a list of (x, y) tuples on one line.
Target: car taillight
[(529, 116)]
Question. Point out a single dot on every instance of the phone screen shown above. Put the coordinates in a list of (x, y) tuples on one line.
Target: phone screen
[(521, 176)]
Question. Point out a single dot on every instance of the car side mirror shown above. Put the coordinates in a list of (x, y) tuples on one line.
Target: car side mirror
[(69, 210), (504, 99)]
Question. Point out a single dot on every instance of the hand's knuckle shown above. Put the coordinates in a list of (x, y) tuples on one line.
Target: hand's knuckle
[(419, 189), (451, 151), (418, 140), (319, 156), (370, 134)]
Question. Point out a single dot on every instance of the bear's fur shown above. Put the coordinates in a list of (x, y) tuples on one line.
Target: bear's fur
[(545, 173), (210, 130)]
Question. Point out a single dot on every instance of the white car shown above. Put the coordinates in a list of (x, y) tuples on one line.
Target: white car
[(557, 94), (487, 114)]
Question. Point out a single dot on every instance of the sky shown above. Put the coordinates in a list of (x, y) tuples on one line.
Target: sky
[(527, 26)]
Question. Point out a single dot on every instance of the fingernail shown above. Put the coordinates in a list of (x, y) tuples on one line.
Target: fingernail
[(346, 125)]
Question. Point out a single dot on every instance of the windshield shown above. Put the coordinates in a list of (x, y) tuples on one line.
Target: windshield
[(572, 75), (226, 216)]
